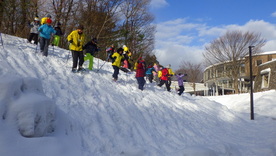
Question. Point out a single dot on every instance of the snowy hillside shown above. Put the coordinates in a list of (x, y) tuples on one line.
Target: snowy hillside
[(68, 114)]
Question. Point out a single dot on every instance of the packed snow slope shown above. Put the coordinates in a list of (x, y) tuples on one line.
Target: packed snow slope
[(90, 115)]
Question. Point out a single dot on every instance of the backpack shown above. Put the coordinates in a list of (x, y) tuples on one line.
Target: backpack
[(165, 72)]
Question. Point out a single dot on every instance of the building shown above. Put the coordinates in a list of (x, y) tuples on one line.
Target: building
[(266, 77), (218, 77)]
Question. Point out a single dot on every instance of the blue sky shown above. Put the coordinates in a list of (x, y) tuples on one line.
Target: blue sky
[(185, 27)]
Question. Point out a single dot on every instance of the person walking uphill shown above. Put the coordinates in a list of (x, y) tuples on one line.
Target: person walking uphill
[(140, 73), (34, 31), (117, 58), (91, 49), (171, 73), (180, 83), (45, 32), (149, 73), (57, 35), (76, 39), (164, 79)]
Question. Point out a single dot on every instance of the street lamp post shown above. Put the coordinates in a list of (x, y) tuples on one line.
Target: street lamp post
[(251, 83)]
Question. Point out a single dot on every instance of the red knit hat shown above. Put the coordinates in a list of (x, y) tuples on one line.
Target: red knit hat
[(49, 21)]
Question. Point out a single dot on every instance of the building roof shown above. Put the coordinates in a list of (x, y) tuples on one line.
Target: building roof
[(262, 53), (267, 53)]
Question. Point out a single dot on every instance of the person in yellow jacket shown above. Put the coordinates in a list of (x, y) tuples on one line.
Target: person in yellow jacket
[(76, 39), (159, 74), (127, 55), (44, 19), (125, 48), (171, 73), (117, 58)]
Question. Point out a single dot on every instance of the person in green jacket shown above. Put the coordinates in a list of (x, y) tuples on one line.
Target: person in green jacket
[(76, 39), (117, 59)]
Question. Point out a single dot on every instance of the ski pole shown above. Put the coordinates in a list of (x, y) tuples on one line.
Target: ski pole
[(68, 56), (101, 67), (68, 52)]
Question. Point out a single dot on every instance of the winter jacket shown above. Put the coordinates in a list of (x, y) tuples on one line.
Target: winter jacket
[(171, 73), (43, 20), (159, 73), (34, 27), (58, 31), (46, 31), (180, 79), (91, 48), (76, 40), (165, 74), (125, 48), (150, 70), (117, 59), (140, 69)]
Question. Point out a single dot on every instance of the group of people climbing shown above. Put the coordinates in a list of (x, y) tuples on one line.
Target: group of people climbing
[(160, 74), (41, 31), (120, 58)]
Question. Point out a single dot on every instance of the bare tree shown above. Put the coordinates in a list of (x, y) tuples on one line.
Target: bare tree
[(15, 15), (137, 30), (115, 22), (233, 46), (64, 14), (193, 70)]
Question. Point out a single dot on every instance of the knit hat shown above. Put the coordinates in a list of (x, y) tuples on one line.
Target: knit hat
[(49, 21)]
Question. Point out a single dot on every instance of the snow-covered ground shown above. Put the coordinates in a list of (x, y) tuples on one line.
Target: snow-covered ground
[(48, 111)]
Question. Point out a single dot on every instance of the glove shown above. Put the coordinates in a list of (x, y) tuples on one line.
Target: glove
[(71, 41)]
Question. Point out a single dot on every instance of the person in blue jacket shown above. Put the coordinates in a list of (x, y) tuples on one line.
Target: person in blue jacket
[(45, 32), (149, 73)]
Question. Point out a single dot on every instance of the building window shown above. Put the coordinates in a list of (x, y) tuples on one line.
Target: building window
[(265, 78), (242, 68), (258, 62)]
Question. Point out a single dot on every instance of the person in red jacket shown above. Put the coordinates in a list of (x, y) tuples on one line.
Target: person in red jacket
[(140, 73), (164, 79)]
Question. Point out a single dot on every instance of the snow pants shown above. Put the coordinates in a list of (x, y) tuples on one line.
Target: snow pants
[(141, 82), (78, 58), (180, 90), (116, 72), (56, 40), (44, 43), (166, 83), (89, 57), (34, 37)]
